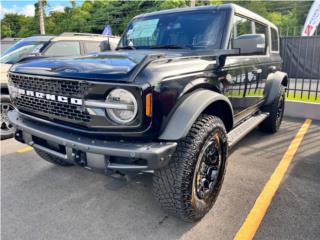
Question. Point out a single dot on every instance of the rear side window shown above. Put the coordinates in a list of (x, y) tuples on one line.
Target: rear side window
[(92, 47), (274, 40), (63, 49)]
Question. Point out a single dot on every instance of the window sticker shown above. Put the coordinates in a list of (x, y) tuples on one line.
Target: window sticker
[(144, 29)]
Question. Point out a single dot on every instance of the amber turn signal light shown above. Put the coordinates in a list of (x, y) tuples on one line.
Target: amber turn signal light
[(148, 105)]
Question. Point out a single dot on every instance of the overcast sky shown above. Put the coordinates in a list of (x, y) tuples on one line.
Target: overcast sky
[(26, 7)]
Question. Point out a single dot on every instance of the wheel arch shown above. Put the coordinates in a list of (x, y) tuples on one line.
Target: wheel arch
[(198, 102), (274, 81)]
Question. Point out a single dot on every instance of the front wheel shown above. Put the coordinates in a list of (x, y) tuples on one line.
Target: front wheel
[(190, 184), (7, 129)]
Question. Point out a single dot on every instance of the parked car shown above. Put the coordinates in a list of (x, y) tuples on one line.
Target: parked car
[(66, 44), (184, 87), (7, 42)]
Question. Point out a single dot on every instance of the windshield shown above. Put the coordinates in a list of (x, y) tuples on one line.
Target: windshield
[(196, 29), (20, 50)]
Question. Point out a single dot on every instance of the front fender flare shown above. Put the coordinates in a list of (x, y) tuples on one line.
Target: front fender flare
[(188, 111)]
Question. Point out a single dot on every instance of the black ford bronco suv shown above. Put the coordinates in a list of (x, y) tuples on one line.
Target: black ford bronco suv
[(182, 88)]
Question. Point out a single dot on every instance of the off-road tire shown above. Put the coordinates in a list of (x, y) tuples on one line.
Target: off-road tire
[(7, 130), (52, 159), (272, 123), (174, 185)]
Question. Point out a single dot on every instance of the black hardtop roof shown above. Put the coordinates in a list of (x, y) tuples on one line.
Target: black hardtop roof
[(230, 6)]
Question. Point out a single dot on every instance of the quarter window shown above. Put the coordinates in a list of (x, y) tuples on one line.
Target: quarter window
[(63, 49), (93, 47), (274, 40)]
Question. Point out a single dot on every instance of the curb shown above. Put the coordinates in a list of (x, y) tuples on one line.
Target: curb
[(302, 110)]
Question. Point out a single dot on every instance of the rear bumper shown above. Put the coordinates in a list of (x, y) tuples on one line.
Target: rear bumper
[(90, 152)]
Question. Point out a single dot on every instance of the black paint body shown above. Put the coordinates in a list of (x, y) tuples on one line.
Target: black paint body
[(170, 75)]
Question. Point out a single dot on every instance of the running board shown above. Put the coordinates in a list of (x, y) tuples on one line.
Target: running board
[(244, 128)]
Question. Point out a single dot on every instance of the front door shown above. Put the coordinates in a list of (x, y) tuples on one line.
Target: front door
[(246, 75)]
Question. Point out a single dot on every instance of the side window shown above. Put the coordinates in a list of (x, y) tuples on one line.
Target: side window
[(274, 40), (241, 26), (262, 29), (63, 49), (92, 47)]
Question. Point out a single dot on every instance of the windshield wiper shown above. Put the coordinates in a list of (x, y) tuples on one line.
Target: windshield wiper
[(168, 46), (126, 47)]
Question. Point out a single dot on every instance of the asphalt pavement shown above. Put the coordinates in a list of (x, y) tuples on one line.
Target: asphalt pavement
[(42, 201)]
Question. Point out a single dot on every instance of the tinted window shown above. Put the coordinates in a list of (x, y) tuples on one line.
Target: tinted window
[(241, 26), (274, 40), (63, 49), (197, 29), (262, 29)]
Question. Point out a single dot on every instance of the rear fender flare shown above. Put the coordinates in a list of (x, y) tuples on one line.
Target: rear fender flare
[(189, 110), (273, 83)]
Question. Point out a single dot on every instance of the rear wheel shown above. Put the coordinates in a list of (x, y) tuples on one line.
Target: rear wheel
[(276, 109), (190, 184), (7, 129), (53, 159)]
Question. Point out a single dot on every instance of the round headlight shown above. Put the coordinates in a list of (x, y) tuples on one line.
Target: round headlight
[(123, 106)]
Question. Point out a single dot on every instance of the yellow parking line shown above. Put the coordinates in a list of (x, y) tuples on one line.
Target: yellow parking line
[(258, 211), (26, 149)]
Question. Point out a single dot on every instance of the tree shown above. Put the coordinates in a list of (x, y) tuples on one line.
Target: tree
[(92, 16)]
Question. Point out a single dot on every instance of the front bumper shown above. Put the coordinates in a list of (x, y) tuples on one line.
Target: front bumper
[(90, 152)]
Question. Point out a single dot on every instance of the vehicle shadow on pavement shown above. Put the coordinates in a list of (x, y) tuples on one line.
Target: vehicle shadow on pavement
[(41, 201)]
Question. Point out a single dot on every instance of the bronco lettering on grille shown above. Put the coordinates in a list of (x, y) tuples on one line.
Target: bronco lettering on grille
[(19, 91)]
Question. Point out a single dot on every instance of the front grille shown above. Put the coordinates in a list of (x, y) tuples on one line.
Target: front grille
[(56, 109), (48, 108), (68, 88)]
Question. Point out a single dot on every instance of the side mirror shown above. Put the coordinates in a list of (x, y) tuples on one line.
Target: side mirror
[(250, 43)]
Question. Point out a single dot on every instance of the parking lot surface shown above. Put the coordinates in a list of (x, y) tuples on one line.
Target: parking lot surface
[(42, 201)]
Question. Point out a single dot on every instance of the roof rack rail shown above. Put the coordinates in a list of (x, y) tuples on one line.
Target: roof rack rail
[(70, 34)]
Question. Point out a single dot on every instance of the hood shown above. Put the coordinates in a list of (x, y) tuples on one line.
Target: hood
[(100, 66), (4, 69), (105, 66)]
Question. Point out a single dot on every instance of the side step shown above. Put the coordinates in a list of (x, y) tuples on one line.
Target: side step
[(244, 128)]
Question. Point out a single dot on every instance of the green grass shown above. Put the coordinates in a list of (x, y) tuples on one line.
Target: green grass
[(303, 98), (290, 96)]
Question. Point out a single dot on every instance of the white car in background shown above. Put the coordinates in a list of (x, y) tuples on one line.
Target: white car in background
[(66, 44)]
